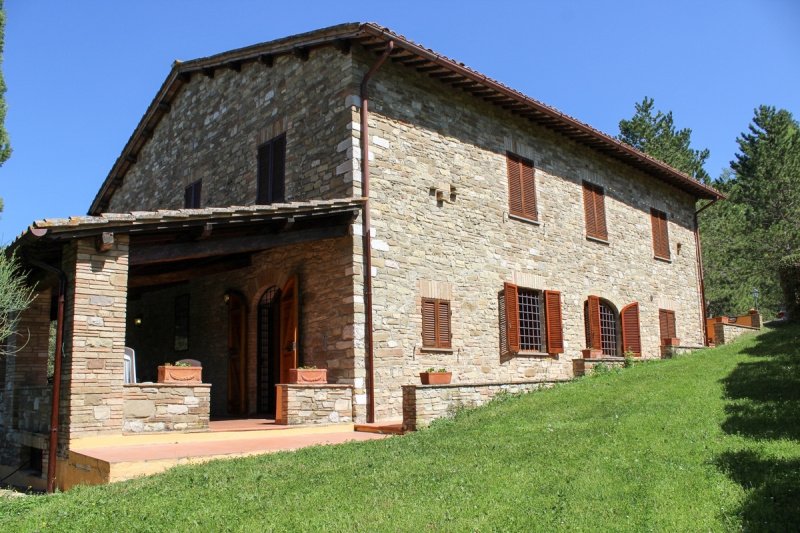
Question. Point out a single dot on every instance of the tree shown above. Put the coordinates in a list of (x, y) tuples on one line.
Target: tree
[(5, 146), (655, 135), (15, 296)]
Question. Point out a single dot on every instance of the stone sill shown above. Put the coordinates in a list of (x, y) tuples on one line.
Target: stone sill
[(314, 385), (530, 353), (485, 384), (598, 239), (523, 219), (427, 349), (164, 385), (663, 259)]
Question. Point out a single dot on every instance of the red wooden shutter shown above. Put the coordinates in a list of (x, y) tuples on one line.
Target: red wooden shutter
[(428, 323), (512, 317), (555, 335), (595, 336), (660, 234), (631, 338), (443, 323), (666, 324), (514, 187), (600, 213), (588, 209)]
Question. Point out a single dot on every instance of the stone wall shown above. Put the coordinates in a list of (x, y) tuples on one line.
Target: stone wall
[(325, 277), (166, 407), (314, 404), (94, 337), (422, 404), (725, 332), (424, 135), (584, 367), (216, 124)]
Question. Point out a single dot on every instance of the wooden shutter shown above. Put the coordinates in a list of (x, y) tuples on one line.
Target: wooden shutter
[(264, 164), (660, 233), (191, 195), (443, 324), (594, 207), (279, 169), (631, 338), (595, 335), (511, 294), (666, 324), (288, 329), (521, 187), (428, 323), (555, 334)]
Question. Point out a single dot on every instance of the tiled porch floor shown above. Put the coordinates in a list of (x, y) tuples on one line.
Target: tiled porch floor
[(120, 457)]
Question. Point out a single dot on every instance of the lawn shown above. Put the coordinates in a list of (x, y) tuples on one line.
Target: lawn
[(704, 442)]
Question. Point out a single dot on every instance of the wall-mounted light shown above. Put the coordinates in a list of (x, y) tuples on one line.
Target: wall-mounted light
[(137, 321), (226, 298)]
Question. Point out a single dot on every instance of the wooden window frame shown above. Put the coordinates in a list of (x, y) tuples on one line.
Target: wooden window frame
[(271, 171), (594, 209), (522, 202), (550, 319), (659, 223), (192, 195), (442, 324)]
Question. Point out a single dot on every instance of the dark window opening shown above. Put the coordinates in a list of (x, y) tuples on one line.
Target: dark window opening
[(191, 195), (271, 185)]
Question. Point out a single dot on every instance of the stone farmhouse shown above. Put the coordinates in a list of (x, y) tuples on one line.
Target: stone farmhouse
[(250, 226)]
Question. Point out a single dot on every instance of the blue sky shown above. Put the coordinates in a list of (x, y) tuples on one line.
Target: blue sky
[(80, 74)]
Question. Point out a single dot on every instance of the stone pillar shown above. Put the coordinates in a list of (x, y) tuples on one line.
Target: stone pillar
[(95, 335)]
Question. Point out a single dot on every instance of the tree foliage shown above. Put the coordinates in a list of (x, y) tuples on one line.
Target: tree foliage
[(15, 295), (655, 135), (5, 146)]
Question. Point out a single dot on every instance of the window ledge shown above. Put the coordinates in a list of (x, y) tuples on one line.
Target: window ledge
[(431, 349), (662, 259), (531, 353), (597, 239), (524, 219)]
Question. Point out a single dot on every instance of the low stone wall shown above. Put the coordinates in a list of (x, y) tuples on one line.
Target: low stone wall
[(314, 404), (423, 404), (725, 333), (31, 409), (582, 367), (166, 407)]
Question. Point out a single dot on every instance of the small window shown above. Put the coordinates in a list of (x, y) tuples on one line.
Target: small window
[(533, 320), (660, 234), (271, 183), (191, 195), (666, 323), (436, 332), (594, 207), (521, 187)]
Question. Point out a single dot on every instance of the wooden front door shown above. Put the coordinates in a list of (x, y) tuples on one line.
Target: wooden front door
[(288, 357), (237, 356)]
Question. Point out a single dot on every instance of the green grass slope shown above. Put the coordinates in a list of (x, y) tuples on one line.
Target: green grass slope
[(707, 442)]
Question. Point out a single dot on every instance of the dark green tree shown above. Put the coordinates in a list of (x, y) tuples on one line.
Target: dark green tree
[(653, 132), (5, 146)]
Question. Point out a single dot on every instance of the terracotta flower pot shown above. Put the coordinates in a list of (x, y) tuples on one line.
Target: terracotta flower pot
[(308, 375), (591, 353), (667, 341), (180, 374), (435, 378)]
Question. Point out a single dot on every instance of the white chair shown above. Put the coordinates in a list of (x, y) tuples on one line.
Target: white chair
[(130, 365)]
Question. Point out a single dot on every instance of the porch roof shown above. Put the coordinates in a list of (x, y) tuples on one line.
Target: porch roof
[(194, 233)]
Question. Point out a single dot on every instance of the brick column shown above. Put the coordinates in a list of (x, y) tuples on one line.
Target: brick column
[(95, 335)]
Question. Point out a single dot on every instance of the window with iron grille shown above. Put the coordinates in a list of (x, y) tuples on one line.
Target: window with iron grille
[(608, 329), (436, 332), (531, 315), (191, 195), (271, 171), (601, 323)]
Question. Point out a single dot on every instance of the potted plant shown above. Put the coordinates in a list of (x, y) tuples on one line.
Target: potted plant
[(308, 374), (670, 341), (435, 377), (179, 372)]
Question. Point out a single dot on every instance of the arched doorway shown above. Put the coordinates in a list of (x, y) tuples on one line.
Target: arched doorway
[(268, 362)]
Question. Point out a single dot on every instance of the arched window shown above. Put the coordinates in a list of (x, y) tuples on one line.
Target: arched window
[(602, 326)]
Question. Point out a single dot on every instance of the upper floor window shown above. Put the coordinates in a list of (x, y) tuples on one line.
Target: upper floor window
[(660, 234), (594, 207), (521, 187), (533, 320), (192, 194), (436, 332), (271, 185)]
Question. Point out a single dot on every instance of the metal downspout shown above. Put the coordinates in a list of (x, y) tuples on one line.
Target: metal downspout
[(56, 396), (700, 275), (367, 238)]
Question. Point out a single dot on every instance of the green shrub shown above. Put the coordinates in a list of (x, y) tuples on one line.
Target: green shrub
[(789, 275)]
